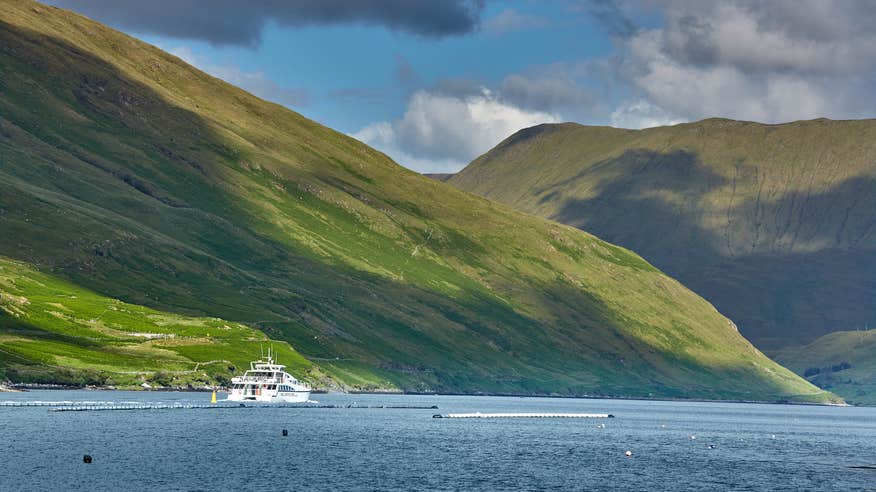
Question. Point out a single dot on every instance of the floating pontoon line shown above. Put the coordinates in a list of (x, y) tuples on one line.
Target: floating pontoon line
[(214, 406), (64, 403), (479, 415)]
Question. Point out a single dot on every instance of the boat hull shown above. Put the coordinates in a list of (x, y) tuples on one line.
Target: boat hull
[(265, 397)]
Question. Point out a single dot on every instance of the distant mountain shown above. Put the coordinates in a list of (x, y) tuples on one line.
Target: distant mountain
[(843, 362), (774, 224), (439, 176), (130, 174)]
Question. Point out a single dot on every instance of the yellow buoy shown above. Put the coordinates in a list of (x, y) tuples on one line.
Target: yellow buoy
[(213, 399)]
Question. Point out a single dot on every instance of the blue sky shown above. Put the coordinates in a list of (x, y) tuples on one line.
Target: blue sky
[(354, 75), (435, 83)]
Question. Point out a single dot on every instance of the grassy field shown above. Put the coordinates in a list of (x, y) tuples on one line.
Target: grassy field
[(52, 331), (774, 224), (130, 174), (843, 362)]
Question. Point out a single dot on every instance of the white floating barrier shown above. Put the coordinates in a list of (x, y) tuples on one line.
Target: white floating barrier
[(479, 415), (221, 406)]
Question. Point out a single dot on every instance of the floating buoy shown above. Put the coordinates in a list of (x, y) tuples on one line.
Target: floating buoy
[(86, 458), (628, 454), (285, 432), (213, 398), (693, 438), (774, 436)]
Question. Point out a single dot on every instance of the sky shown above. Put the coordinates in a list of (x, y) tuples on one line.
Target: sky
[(436, 83)]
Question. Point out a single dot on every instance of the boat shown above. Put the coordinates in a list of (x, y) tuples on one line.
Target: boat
[(267, 381)]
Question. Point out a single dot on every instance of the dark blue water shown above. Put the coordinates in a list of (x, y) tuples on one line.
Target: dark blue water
[(756, 447)]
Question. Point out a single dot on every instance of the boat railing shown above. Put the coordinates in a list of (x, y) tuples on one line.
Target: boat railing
[(256, 379)]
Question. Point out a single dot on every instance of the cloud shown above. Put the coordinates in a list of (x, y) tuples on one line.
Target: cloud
[(771, 36), (641, 114), (612, 14), (404, 71), (765, 61), (441, 132), (241, 22), (550, 90), (255, 82), (511, 20)]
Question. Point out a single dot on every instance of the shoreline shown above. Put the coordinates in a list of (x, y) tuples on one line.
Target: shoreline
[(18, 388), (606, 397)]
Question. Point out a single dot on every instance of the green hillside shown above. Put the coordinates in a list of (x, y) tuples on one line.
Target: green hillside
[(53, 331), (843, 362), (774, 224), (133, 175)]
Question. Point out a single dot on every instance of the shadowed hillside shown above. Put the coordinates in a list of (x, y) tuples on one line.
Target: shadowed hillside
[(774, 224), (129, 173), (439, 176), (842, 362)]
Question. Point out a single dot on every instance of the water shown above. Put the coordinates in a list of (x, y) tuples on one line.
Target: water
[(756, 447)]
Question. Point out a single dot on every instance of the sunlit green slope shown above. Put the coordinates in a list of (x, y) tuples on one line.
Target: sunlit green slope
[(129, 173), (774, 224), (53, 331)]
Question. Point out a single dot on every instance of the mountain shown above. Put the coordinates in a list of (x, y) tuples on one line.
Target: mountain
[(130, 174), (439, 176), (774, 224), (843, 362), (53, 331)]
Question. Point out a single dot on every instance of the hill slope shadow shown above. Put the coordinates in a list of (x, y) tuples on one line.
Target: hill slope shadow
[(793, 267)]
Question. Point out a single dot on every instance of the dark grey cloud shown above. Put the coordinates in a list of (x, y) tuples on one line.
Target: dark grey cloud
[(240, 22), (457, 87), (613, 16), (548, 91), (511, 20), (404, 71), (360, 93)]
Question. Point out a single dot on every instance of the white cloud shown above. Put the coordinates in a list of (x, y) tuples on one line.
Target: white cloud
[(255, 82), (441, 132), (511, 20), (764, 61), (641, 114)]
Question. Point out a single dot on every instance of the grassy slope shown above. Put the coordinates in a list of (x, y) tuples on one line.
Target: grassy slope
[(134, 175), (774, 224), (826, 359), (54, 331)]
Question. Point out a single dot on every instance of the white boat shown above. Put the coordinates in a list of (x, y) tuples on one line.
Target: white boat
[(268, 382)]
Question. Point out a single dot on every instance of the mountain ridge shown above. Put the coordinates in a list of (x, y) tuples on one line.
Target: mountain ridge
[(733, 209), (129, 173)]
